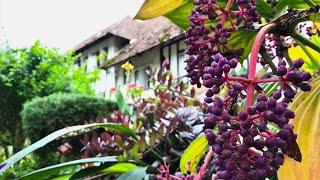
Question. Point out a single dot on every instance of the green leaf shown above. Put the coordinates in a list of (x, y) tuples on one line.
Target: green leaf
[(242, 39), (62, 177), (48, 171), (154, 8), (150, 117), (21, 154), (121, 102), (135, 174), (193, 153), (116, 168), (120, 168), (264, 9), (315, 17), (180, 15)]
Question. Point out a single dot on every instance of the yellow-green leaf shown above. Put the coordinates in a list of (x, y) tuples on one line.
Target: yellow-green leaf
[(120, 168), (194, 152), (306, 124), (154, 8), (297, 52)]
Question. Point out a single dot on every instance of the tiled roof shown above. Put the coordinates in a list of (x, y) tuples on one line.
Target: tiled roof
[(143, 35), (126, 28), (152, 33)]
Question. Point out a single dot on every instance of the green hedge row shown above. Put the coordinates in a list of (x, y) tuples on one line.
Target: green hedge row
[(42, 116)]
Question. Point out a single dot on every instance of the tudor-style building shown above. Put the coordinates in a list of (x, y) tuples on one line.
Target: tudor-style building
[(142, 43)]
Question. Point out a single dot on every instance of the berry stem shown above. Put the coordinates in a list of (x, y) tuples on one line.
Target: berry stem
[(264, 135), (241, 79), (174, 177), (254, 153), (205, 164), (253, 61), (225, 13), (275, 79)]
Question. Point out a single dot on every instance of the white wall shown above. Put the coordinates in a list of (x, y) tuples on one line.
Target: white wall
[(140, 62), (107, 78)]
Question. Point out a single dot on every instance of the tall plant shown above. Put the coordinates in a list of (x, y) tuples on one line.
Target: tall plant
[(31, 72), (219, 36)]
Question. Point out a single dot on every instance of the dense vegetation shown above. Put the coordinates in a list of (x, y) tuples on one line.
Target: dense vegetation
[(252, 127)]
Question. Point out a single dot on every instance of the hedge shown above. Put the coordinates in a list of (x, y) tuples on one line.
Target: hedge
[(41, 116)]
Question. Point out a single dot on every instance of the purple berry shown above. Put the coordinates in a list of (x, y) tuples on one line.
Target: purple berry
[(297, 63)]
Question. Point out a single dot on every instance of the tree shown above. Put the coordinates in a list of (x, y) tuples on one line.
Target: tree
[(31, 72)]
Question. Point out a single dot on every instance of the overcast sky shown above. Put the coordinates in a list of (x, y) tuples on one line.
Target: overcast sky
[(60, 23)]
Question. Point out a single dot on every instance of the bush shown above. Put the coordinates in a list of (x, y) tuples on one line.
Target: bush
[(42, 116)]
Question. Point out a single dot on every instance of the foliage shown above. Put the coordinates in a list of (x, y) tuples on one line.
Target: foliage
[(41, 116), (51, 137), (34, 71), (248, 131)]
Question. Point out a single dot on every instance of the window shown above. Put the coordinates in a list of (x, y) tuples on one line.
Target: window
[(141, 78), (136, 76), (96, 57), (175, 53), (181, 63), (85, 62)]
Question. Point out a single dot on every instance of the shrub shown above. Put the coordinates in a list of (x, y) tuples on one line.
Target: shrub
[(41, 116)]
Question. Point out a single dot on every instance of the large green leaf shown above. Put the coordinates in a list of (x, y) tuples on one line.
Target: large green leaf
[(135, 174), (120, 168), (21, 154), (306, 124), (51, 170), (116, 168), (180, 15), (193, 153), (242, 39), (154, 8)]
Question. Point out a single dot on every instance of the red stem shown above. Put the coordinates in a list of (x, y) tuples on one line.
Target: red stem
[(257, 81), (205, 164), (225, 13), (269, 132), (254, 153), (257, 116), (253, 61), (264, 135), (174, 177), (241, 79)]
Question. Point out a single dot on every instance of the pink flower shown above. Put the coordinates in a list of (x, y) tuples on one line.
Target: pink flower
[(113, 90), (165, 63), (132, 85), (141, 87)]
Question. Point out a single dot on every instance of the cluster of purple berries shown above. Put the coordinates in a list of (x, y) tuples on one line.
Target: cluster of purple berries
[(244, 146), (205, 41), (247, 11)]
